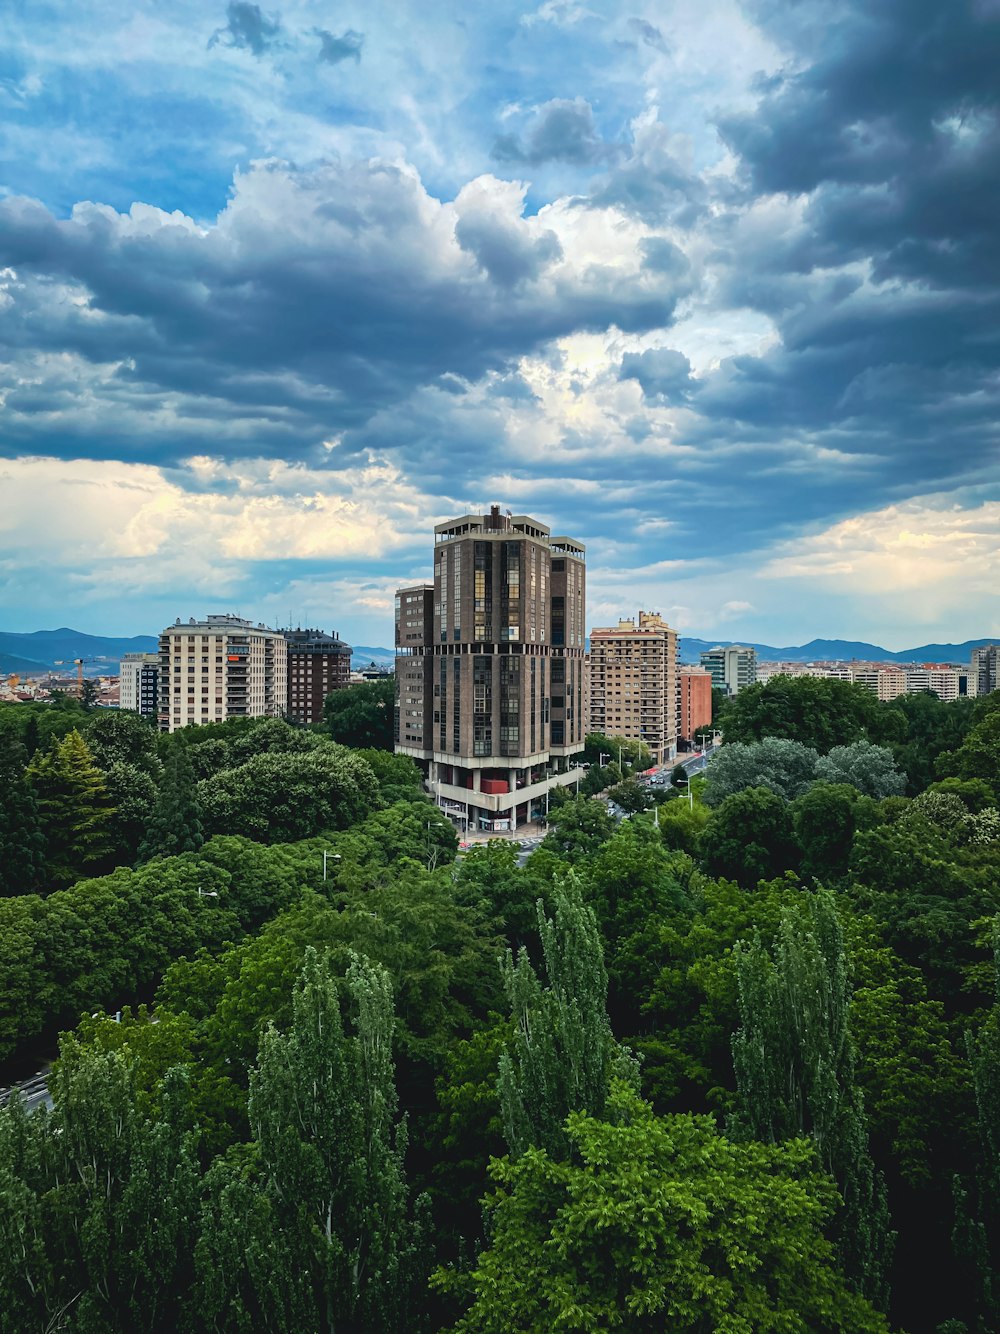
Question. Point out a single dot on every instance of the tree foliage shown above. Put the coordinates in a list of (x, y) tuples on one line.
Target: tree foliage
[(651, 1223), (785, 767), (361, 716), (795, 1061), (74, 808), (816, 711)]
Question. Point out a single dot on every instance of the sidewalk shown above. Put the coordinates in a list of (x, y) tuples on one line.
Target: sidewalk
[(530, 829)]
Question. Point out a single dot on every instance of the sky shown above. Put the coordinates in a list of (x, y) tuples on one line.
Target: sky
[(712, 287)]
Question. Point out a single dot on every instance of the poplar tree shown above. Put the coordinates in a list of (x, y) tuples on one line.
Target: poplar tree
[(73, 806), (323, 1112), (563, 1052), (175, 825), (795, 1059)]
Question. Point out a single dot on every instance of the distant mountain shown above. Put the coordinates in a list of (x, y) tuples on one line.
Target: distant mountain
[(27, 653), (47, 647), (363, 654), (843, 650), (9, 663)]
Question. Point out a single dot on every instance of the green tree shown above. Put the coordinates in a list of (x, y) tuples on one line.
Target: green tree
[(786, 767), (361, 715), (73, 806), (631, 796), (119, 737), (979, 754), (88, 695), (656, 1223), (323, 1113), (795, 1057), (824, 821), (175, 824), (749, 838), (563, 1051), (871, 769), (816, 711), (279, 797), (22, 844), (578, 828)]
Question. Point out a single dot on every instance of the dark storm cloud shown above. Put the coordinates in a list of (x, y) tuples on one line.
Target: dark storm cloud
[(248, 28), (868, 234), (650, 182), (333, 50), (663, 373), (562, 130), (317, 300)]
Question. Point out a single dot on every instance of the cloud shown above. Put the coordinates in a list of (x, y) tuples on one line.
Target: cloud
[(247, 28), (648, 34), (316, 299), (561, 130), (663, 373), (333, 50)]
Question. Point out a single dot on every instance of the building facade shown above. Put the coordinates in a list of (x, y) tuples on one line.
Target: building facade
[(696, 702), (317, 664), (218, 668), (731, 668), (138, 684), (634, 684), (986, 668), (489, 668)]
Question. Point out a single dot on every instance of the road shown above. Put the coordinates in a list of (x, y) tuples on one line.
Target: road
[(34, 1091)]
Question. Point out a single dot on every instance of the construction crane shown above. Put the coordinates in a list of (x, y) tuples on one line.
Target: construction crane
[(78, 664)]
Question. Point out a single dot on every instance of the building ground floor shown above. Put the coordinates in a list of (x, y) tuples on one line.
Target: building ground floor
[(497, 800)]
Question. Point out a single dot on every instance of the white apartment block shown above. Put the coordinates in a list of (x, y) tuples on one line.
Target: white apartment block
[(218, 668), (138, 680), (886, 680)]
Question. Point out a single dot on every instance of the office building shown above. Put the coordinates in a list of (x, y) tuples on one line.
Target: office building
[(731, 668), (218, 668), (696, 702), (634, 688), (986, 668), (138, 683), (489, 668), (317, 664)]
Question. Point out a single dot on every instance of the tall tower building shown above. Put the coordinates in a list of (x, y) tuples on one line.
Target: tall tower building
[(489, 670), (986, 668), (634, 690), (218, 668)]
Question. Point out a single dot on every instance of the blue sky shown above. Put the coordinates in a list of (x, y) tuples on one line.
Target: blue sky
[(712, 286)]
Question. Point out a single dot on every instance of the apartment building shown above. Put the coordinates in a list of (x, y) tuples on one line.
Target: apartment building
[(732, 668), (138, 683), (318, 663), (218, 668), (489, 668), (695, 702), (887, 680), (634, 685)]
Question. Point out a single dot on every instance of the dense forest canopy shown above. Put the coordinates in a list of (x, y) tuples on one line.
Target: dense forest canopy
[(364, 1080)]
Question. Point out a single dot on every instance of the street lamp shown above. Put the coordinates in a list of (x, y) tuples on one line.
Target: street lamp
[(207, 893), (687, 782), (331, 856)]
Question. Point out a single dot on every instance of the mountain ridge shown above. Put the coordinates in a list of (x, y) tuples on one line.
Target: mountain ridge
[(39, 649)]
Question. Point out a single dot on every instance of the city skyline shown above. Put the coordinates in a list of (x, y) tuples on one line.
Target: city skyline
[(713, 288)]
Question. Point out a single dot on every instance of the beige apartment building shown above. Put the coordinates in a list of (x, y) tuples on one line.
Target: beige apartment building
[(218, 668), (490, 668), (634, 683)]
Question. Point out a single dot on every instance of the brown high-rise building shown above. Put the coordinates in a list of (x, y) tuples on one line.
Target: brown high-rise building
[(317, 664), (490, 668), (633, 683)]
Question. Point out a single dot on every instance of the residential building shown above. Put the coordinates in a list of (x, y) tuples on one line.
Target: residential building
[(318, 663), (986, 668), (696, 702), (138, 683), (489, 668), (887, 680), (634, 690), (732, 667), (218, 668)]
